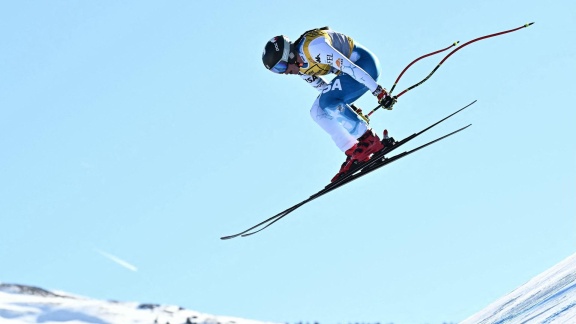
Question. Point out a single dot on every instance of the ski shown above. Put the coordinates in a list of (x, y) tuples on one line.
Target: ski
[(377, 161), (360, 173), (382, 161), (387, 150)]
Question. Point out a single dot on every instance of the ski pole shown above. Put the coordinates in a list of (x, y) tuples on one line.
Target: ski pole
[(367, 116), (418, 59), (445, 58), (457, 49)]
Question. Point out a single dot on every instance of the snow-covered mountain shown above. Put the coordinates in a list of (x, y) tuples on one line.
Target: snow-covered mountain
[(547, 298), (21, 304)]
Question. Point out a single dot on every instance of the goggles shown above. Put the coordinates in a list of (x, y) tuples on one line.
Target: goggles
[(280, 67)]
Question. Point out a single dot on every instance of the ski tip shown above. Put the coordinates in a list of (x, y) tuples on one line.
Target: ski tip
[(529, 24), (468, 105)]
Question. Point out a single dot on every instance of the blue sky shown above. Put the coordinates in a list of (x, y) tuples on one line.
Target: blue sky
[(146, 130)]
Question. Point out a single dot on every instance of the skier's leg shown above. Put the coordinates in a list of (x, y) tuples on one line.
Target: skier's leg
[(332, 111), (333, 126)]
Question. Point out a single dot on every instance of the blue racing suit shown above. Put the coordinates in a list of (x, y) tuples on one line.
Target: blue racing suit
[(325, 51)]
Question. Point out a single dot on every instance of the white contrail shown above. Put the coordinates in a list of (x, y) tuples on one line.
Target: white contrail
[(117, 260)]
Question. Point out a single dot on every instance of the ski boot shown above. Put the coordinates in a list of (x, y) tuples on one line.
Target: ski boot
[(368, 144), (346, 165)]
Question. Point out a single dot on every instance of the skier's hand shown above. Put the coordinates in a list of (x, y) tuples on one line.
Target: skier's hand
[(384, 98), (388, 102)]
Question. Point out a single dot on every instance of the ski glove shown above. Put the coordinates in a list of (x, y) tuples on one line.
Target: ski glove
[(384, 99)]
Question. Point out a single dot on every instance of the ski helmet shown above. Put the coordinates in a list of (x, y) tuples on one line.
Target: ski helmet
[(278, 54)]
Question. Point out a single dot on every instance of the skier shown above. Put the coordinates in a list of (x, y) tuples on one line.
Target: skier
[(323, 51)]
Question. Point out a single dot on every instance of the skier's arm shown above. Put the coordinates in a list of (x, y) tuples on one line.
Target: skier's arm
[(342, 63), (345, 65), (315, 81)]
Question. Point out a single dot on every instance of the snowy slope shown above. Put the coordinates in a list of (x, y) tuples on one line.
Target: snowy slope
[(24, 304), (547, 298)]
